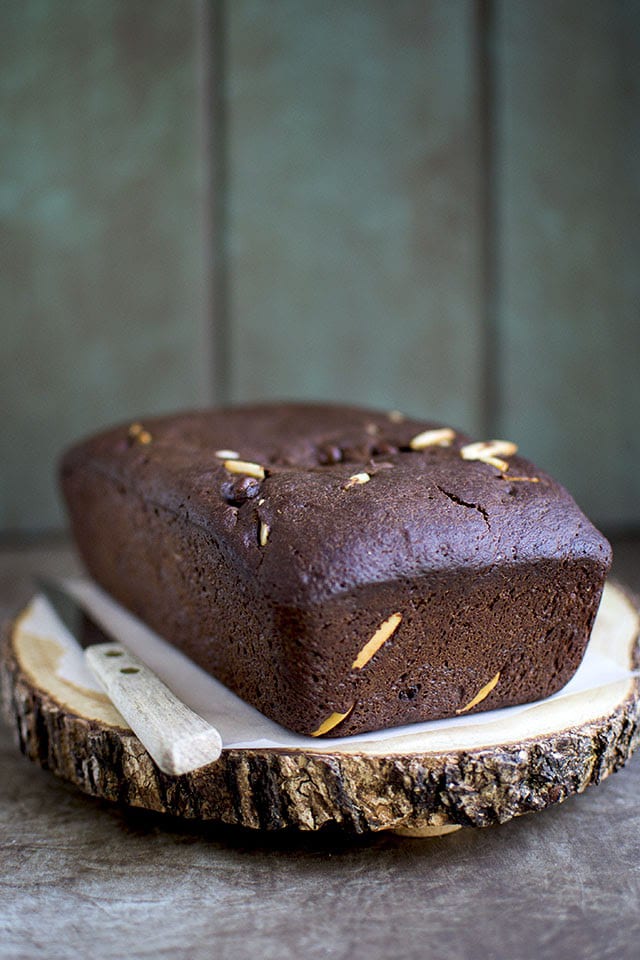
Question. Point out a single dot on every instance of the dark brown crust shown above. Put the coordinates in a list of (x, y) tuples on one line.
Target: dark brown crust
[(277, 789), (492, 578)]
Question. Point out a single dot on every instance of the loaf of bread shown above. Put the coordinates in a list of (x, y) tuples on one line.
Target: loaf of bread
[(340, 569)]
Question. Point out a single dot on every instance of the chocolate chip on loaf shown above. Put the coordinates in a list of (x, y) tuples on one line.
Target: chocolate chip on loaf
[(240, 489)]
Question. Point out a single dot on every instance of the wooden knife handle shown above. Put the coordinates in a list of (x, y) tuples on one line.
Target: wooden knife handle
[(177, 738)]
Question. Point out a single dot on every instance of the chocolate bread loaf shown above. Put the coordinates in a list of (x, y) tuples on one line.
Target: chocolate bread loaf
[(340, 569)]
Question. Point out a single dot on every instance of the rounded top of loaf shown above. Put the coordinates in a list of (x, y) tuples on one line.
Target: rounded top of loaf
[(308, 501)]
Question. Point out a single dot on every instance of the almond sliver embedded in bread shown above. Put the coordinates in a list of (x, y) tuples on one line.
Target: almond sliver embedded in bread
[(332, 721), (481, 694), (382, 634), (246, 468)]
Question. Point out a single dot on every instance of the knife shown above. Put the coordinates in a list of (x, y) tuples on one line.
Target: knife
[(178, 739)]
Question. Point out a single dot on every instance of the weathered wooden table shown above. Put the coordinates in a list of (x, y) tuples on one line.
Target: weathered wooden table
[(81, 878)]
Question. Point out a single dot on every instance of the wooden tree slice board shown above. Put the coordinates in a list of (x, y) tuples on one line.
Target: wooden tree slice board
[(475, 776)]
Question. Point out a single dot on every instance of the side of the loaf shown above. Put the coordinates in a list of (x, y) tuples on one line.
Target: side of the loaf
[(445, 645)]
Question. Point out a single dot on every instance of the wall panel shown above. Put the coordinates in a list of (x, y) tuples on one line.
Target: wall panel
[(103, 292), (568, 203), (353, 206)]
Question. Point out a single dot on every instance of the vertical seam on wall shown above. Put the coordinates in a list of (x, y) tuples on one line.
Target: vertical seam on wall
[(206, 344), (214, 109), (486, 74)]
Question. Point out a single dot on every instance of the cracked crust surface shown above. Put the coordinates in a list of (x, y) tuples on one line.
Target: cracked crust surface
[(490, 575)]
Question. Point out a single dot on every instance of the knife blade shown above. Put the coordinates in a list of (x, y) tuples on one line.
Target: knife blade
[(178, 739)]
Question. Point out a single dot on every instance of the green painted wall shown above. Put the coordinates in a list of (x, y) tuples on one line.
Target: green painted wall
[(423, 204), (102, 185)]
